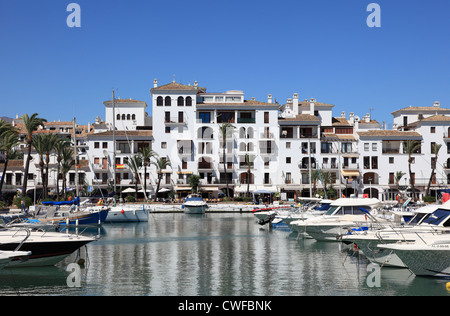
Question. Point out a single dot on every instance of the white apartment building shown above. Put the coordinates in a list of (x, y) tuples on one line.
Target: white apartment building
[(271, 147)]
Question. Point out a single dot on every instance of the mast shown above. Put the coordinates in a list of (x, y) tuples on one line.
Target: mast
[(114, 142), (75, 157)]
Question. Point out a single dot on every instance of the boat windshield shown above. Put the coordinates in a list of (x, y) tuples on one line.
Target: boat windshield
[(331, 210), (350, 210), (417, 218), (438, 217)]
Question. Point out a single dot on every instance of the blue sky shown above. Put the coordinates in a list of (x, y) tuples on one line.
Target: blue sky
[(317, 48)]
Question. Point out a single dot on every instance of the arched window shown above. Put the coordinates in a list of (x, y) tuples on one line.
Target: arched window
[(128, 117), (242, 132), (188, 101), (123, 116), (118, 117), (133, 117), (159, 101), (167, 101), (180, 101), (250, 133)]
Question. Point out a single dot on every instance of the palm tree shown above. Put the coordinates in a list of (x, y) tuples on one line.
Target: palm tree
[(31, 124), (194, 180), (146, 154), (225, 130), (9, 139), (59, 147), (67, 163), (248, 162), (38, 142), (412, 147), (160, 164), (436, 149), (135, 163), (49, 140)]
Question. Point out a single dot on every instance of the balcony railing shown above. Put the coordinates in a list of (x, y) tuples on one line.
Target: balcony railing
[(246, 120)]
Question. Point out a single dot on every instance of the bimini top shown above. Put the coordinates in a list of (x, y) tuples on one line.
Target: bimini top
[(357, 202)]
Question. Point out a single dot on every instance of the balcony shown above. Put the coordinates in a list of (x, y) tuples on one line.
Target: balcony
[(245, 120), (174, 121), (205, 165)]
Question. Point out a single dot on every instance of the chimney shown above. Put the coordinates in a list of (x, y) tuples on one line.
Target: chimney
[(437, 104), (311, 106), (367, 118), (196, 84), (155, 83), (252, 99), (351, 117), (343, 114), (295, 103), (269, 98)]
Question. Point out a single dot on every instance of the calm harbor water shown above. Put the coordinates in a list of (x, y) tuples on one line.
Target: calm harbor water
[(213, 254)]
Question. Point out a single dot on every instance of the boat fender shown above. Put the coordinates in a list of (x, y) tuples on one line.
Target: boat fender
[(182, 206), (122, 211)]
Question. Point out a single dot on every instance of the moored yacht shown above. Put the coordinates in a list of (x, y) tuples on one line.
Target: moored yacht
[(343, 213), (428, 255), (430, 220), (47, 248), (194, 204)]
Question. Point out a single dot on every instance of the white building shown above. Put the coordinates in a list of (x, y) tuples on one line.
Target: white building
[(271, 148)]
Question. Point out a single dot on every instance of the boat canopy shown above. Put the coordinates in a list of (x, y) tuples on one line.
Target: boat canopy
[(76, 201)]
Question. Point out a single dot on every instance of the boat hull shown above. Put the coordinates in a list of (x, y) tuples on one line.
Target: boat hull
[(195, 209), (78, 218), (119, 214)]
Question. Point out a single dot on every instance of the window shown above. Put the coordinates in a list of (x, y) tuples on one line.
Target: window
[(123, 117), (124, 148), (366, 146), (288, 178), (133, 117), (105, 145), (205, 117), (180, 101), (391, 178), (288, 159), (433, 147), (288, 145), (266, 117), (96, 144), (266, 178), (159, 101), (167, 130), (188, 101), (118, 117), (164, 145), (128, 117), (325, 148), (167, 101), (346, 147), (432, 129), (391, 160), (374, 146)]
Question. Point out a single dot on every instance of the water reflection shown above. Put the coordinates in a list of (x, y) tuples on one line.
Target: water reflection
[(220, 254)]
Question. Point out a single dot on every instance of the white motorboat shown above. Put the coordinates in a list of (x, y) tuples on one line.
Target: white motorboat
[(431, 219), (343, 213), (194, 204), (128, 213), (47, 248), (428, 255), (7, 256)]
